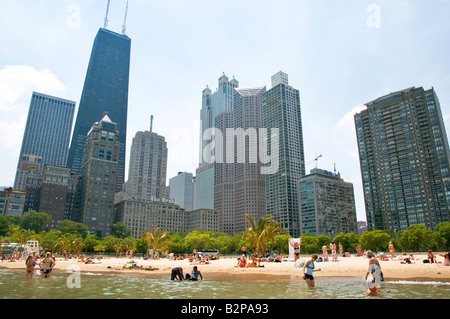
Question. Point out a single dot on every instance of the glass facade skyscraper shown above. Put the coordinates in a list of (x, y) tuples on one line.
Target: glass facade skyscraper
[(105, 90), (47, 131), (213, 104), (281, 109), (404, 157)]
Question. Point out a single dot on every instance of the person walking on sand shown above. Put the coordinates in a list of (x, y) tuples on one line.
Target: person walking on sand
[(341, 249), (308, 270), (391, 250), (333, 251), (325, 252)]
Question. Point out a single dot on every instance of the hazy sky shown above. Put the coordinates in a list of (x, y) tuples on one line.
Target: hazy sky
[(338, 54)]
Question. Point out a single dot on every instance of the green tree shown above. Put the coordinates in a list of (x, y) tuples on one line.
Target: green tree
[(310, 244), (70, 227), (259, 234), (374, 240), (415, 238), (6, 221), (323, 240), (154, 240), (281, 243), (120, 230), (113, 243), (441, 237), (35, 221), (199, 240)]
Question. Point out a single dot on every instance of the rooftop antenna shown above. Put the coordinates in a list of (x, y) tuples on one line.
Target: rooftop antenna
[(124, 27), (106, 17), (151, 124)]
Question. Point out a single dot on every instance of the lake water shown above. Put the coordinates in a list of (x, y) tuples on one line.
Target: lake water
[(14, 285)]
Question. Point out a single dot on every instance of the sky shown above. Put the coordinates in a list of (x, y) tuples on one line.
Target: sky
[(338, 54)]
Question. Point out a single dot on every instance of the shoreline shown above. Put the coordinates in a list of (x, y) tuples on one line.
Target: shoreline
[(224, 269)]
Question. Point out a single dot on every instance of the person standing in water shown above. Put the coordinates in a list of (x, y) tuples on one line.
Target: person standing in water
[(308, 270), (47, 265)]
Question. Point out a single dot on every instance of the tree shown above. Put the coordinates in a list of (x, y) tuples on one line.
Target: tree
[(120, 230), (260, 233), (310, 244), (415, 238), (70, 227), (374, 240), (35, 221), (154, 239), (441, 237), (114, 243), (199, 240)]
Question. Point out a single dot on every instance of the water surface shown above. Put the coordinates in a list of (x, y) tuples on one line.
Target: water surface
[(14, 285)]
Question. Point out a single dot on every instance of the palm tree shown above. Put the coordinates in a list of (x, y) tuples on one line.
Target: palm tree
[(260, 233), (154, 239)]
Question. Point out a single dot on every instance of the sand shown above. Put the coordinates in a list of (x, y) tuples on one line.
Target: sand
[(224, 268)]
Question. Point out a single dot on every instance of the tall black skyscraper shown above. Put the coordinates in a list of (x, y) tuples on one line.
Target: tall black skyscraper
[(105, 90)]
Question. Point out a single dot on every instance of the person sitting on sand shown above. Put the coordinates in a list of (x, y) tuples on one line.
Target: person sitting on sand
[(431, 257), (242, 262), (446, 259)]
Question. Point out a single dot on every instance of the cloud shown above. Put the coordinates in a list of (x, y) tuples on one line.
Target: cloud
[(18, 81)]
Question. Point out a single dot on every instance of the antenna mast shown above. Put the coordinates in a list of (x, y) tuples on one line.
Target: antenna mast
[(106, 17), (151, 124), (124, 27)]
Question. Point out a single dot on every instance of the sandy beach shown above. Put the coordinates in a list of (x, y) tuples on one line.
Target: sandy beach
[(224, 268)]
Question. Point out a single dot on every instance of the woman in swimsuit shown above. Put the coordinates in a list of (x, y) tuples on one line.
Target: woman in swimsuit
[(308, 270), (392, 250), (296, 246), (333, 251), (30, 267), (446, 259), (47, 265)]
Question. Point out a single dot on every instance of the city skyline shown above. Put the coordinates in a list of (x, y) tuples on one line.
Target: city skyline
[(335, 56)]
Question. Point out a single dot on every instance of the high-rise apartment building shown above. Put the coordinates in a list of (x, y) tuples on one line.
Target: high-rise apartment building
[(182, 190), (281, 109), (404, 157), (53, 190), (148, 167), (99, 176), (105, 89), (11, 202), (327, 204), (27, 163), (47, 133)]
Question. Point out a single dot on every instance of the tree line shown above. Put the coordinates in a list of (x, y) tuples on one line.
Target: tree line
[(263, 236)]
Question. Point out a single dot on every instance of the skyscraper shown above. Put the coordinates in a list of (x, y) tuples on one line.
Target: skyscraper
[(213, 104), (327, 204), (182, 190), (99, 176), (404, 157), (239, 186), (281, 109), (147, 172), (47, 132), (105, 90)]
